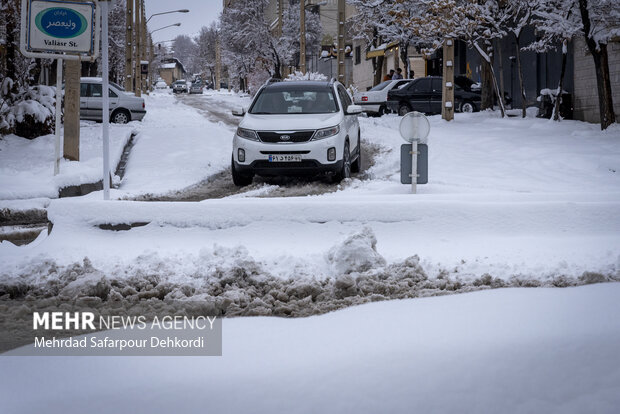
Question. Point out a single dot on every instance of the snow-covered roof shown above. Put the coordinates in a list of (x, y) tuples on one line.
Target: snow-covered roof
[(168, 65)]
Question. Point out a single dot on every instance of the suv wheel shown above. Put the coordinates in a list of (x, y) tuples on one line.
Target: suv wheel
[(121, 117), (345, 172), (240, 180), (356, 166), (404, 109)]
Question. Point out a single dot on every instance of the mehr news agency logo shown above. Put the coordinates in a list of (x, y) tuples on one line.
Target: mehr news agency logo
[(87, 321)]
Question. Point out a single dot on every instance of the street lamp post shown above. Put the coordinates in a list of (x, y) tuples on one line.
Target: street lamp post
[(167, 12), (150, 37), (165, 27)]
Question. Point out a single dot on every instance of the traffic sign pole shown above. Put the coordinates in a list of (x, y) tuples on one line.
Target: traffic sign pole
[(58, 109), (414, 166), (105, 115)]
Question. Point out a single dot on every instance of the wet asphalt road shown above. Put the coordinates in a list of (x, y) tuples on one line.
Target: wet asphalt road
[(221, 185)]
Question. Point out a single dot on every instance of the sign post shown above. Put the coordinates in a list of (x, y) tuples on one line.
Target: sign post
[(105, 94), (414, 128), (61, 30), (58, 108)]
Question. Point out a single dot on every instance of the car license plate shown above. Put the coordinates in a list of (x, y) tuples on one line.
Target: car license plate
[(284, 158)]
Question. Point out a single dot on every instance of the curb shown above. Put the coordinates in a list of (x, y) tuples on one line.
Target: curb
[(83, 189)]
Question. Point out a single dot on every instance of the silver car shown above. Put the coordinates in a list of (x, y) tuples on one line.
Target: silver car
[(124, 106), (374, 101)]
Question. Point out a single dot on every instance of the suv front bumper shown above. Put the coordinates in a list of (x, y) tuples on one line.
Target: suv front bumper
[(313, 154), (303, 168)]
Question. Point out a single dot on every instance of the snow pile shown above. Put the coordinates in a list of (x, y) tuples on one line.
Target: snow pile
[(27, 166), (357, 253), (515, 350), (315, 76)]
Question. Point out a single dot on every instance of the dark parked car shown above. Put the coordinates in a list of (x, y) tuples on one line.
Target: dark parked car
[(424, 95), (471, 86)]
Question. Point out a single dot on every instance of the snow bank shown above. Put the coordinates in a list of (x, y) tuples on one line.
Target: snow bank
[(27, 166), (508, 350)]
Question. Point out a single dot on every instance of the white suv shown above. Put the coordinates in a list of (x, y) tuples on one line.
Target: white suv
[(297, 128)]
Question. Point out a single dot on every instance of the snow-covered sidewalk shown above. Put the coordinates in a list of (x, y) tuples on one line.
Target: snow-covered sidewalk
[(27, 166), (508, 351), (176, 148)]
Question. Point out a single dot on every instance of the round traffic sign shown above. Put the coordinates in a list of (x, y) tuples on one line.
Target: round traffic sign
[(415, 127)]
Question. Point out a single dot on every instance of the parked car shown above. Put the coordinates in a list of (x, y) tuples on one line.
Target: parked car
[(374, 101), (124, 106), (297, 128), (161, 85), (180, 86), (196, 87), (471, 86), (424, 95)]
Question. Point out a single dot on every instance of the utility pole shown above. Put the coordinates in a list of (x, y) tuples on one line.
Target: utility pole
[(129, 47), (447, 100), (302, 39), (138, 51), (218, 63), (71, 130), (151, 58), (143, 79), (341, 21), (280, 16)]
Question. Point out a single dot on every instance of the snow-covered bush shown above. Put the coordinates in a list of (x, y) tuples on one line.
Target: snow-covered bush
[(28, 112), (315, 76)]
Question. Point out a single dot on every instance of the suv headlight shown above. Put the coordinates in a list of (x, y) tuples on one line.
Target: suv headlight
[(326, 132), (247, 134)]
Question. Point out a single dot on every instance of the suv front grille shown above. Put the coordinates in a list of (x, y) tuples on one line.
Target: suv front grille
[(296, 136)]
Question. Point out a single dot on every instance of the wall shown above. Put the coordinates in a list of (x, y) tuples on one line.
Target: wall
[(585, 100), (362, 72)]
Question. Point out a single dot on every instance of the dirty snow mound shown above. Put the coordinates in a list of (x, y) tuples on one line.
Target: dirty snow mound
[(357, 253)]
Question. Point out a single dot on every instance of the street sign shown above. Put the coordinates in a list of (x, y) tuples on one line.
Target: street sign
[(405, 163), (59, 29), (414, 127), (56, 26)]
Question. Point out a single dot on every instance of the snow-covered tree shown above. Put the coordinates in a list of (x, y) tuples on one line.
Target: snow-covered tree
[(25, 108), (521, 13), (205, 49), (366, 27), (248, 41), (477, 23), (600, 24), (290, 38), (185, 49), (556, 23)]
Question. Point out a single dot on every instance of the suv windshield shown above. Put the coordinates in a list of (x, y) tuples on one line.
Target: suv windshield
[(295, 100)]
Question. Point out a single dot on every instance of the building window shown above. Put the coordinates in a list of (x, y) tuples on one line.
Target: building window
[(358, 55)]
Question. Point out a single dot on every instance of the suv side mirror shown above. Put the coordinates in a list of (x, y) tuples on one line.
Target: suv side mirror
[(238, 111), (354, 109)]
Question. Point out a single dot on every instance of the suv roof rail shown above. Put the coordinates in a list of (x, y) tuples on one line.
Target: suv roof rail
[(272, 80)]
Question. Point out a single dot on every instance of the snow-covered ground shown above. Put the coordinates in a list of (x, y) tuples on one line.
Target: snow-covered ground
[(27, 166), (506, 350), (510, 203), (514, 197)]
